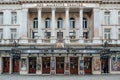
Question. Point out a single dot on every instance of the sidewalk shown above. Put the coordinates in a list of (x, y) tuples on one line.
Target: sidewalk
[(59, 77)]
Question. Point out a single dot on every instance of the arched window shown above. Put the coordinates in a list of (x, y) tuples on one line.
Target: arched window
[(47, 23), (84, 22), (35, 23), (59, 22), (72, 23)]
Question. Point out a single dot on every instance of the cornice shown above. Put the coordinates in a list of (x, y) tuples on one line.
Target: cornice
[(59, 1)]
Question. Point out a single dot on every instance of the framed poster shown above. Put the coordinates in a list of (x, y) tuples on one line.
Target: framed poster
[(23, 64), (81, 64), (53, 64), (115, 63), (38, 65), (97, 64)]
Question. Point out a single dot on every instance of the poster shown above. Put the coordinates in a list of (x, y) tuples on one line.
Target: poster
[(115, 63), (53, 64), (38, 65), (97, 64), (81, 64), (23, 64)]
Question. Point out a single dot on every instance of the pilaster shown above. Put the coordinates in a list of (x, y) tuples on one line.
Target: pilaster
[(81, 23), (67, 25), (96, 13), (24, 23)]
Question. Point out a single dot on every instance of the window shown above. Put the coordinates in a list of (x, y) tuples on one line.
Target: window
[(84, 23), (59, 22), (35, 35), (118, 33), (35, 23), (119, 18), (72, 35), (47, 35), (14, 18), (60, 35), (47, 23), (107, 18), (72, 23), (107, 33), (1, 17), (13, 33), (85, 35), (1, 33)]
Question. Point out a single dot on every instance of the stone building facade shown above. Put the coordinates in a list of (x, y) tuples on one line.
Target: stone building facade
[(59, 36)]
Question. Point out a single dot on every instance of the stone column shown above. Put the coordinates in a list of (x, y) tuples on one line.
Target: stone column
[(96, 23), (10, 72), (53, 64), (39, 65), (67, 65), (81, 22), (40, 31), (53, 26), (24, 24), (67, 25)]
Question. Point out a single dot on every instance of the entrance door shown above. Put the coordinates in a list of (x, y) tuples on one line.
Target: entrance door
[(6, 64), (32, 64), (88, 65), (45, 65), (104, 64), (74, 65), (15, 65), (59, 65)]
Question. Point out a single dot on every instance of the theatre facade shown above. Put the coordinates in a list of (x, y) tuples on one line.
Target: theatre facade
[(60, 37)]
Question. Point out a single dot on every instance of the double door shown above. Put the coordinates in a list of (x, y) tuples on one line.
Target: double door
[(32, 64), (59, 65), (15, 65), (6, 64), (88, 65), (74, 65), (45, 65)]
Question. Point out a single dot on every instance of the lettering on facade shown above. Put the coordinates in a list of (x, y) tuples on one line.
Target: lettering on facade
[(60, 4)]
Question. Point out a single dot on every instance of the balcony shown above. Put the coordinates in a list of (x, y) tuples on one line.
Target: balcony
[(50, 41)]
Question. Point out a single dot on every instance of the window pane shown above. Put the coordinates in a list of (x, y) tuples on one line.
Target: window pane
[(35, 23), (47, 23), (14, 18), (1, 17)]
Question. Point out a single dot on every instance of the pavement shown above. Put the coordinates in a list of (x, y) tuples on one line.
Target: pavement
[(59, 77)]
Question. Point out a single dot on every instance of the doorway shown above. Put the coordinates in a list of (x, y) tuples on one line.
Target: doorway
[(104, 64), (45, 65), (15, 63), (32, 64), (73, 65), (6, 64), (88, 65), (59, 65)]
